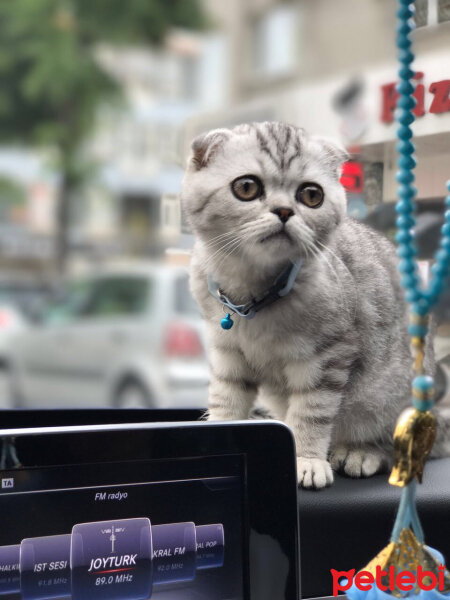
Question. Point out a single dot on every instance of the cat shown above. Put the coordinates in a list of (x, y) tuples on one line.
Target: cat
[(332, 357)]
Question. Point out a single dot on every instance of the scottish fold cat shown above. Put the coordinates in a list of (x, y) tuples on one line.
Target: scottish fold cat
[(330, 356)]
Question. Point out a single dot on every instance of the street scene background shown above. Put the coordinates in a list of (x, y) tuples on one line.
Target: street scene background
[(99, 103)]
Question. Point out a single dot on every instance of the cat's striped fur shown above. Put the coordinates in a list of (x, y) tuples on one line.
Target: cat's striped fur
[(331, 359)]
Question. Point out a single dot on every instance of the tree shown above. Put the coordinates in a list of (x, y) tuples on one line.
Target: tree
[(52, 85)]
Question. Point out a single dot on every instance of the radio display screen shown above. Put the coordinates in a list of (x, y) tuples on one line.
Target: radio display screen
[(160, 529)]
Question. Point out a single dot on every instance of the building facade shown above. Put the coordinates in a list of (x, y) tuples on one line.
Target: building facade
[(331, 67)]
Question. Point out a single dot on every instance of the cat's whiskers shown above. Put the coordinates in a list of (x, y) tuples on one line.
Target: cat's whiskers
[(257, 228), (229, 246), (307, 240), (210, 259), (302, 230), (229, 252), (306, 249), (219, 239), (355, 290), (328, 249), (322, 256)]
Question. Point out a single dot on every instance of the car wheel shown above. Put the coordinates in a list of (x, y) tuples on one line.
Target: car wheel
[(132, 394)]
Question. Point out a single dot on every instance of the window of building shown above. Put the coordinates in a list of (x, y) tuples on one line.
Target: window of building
[(213, 71), (421, 16), (170, 213), (443, 11), (273, 42), (189, 66), (431, 12)]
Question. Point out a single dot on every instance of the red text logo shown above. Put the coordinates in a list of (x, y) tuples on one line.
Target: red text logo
[(404, 581), (440, 103)]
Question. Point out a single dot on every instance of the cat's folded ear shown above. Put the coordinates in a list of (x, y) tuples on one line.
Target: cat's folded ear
[(206, 146), (333, 152)]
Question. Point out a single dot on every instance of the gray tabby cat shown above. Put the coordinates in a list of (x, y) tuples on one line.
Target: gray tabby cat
[(331, 359)]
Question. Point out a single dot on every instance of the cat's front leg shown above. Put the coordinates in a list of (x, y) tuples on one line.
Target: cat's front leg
[(310, 416), (232, 390)]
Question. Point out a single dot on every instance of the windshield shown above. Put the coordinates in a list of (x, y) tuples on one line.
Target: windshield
[(100, 298), (142, 139)]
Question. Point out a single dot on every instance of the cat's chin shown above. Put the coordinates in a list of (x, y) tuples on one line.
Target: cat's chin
[(274, 252), (279, 246), (280, 237)]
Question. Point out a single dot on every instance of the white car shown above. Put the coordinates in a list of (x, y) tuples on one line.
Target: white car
[(122, 337), (17, 298)]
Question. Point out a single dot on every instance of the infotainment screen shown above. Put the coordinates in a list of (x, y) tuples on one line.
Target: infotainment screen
[(160, 529), (139, 511)]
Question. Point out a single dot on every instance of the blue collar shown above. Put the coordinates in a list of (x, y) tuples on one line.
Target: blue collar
[(281, 287)]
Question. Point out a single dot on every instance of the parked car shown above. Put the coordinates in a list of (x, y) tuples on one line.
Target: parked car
[(127, 336), (17, 298)]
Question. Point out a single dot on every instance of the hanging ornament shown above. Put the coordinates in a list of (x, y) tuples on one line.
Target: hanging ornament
[(416, 428)]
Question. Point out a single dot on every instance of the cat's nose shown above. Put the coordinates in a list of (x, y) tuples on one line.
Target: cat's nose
[(283, 213)]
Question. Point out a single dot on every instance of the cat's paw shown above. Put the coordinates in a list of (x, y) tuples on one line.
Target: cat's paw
[(314, 472), (357, 462)]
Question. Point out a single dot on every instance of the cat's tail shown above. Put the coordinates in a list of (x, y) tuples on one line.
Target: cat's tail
[(442, 444)]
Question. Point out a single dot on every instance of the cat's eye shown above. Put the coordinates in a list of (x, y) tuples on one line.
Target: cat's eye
[(247, 188), (310, 194)]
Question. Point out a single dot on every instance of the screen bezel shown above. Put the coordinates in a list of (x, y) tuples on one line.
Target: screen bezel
[(270, 476)]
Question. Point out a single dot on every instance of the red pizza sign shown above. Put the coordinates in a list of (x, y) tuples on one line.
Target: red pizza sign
[(352, 177), (440, 103)]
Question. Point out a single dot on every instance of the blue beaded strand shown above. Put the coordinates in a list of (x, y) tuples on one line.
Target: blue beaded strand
[(421, 300)]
